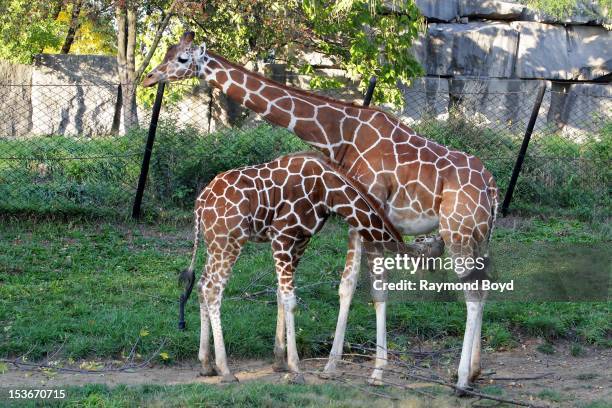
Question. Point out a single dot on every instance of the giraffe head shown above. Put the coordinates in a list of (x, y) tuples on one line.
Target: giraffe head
[(183, 60)]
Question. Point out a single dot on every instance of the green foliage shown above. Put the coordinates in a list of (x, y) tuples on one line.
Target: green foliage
[(57, 183), (551, 395), (565, 8), (243, 395), (358, 35), (549, 327), (26, 29), (184, 161), (368, 41), (498, 336), (576, 350), (546, 348), (175, 178)]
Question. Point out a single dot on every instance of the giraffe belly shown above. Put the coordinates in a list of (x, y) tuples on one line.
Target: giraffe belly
[(409, 224)]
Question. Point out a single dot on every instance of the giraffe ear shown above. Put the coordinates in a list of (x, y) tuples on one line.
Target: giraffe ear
[(201, 51)]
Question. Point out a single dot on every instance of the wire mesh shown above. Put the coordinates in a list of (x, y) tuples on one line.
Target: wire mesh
[(66, 148)]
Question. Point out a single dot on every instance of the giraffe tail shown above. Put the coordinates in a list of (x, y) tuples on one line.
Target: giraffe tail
[(187, 276)]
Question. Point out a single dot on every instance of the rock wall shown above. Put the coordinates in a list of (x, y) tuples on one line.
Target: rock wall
[(15, 96), (74, 94), (501, 51), (487, 57), (59, 94)]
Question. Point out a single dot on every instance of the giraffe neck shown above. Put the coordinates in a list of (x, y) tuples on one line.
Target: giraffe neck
[(362, 205), (316, 120)]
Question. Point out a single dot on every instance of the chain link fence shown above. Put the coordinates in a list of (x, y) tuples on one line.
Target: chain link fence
[(63, 148)]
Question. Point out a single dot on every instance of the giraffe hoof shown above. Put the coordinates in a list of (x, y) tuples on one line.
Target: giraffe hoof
[(474, 376), (280, 366), (331, 367), (208, 371), (229, 378), (377, 382), (461, 391)]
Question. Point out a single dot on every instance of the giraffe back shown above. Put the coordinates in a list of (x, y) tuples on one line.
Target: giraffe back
[(292, 195)]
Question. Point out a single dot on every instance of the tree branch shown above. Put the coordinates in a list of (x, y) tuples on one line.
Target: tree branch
[(156, 39), (74, 26)]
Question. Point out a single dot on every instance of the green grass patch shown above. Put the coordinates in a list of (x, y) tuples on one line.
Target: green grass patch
[(59, 174), (546, 348), (98, 287), (201, 395), (552, 395)]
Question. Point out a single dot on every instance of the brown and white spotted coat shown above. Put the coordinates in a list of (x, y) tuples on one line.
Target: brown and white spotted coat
[(285, 202), (421, 185)]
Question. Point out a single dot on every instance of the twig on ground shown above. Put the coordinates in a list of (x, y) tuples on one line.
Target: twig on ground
[(447, 384), (130, 357), (534, 377), (55, 353)]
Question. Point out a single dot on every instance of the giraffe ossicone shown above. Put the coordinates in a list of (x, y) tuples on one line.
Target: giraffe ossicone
[(421, 185)]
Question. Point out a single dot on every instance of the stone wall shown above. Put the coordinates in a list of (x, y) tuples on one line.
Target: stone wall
[(15, 96), (59, 94), (504, 50), (485, 56), (74, 94)]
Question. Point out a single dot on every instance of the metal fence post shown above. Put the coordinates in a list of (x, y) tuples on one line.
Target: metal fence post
[(369, 92), (521, 156), (146, 158)]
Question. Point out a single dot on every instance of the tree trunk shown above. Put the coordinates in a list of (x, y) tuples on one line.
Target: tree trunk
[(74, 26), (126, 47), (129, 76)]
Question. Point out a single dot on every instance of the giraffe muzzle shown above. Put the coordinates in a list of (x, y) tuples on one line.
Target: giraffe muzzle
[(150, 80)]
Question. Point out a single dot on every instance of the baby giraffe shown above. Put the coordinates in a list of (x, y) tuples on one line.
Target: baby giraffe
[(285, 202)]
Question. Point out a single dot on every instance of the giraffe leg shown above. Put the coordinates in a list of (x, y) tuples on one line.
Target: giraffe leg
[(476, 344), (380, 305), (280, 349), (345, 292), (217, 274), (287, 253), (204, 353), (381, 343), (469, 364), (214, 311), (463, 371), (475, 357)]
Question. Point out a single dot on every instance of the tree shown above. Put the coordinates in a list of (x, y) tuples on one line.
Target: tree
[(361, 36), (126, 14), (73, 27), (27, 27)]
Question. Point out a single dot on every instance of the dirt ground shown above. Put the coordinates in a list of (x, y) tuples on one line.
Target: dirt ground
[(568, 382)]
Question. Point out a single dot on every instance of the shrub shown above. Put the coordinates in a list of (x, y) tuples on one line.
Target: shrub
[(185, 160)]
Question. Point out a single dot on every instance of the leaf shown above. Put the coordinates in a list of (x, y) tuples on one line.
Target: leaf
[(3, 368), (164, 356), (144, 333)]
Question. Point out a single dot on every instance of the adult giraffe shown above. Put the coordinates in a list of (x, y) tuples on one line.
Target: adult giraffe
[(420, 184)]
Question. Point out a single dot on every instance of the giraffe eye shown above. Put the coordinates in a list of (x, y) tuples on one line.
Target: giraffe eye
[(182, 59)]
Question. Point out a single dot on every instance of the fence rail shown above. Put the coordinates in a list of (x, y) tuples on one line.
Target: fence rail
[(64, 148)]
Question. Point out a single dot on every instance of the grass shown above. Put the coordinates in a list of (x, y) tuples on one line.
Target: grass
[(97, 287), (202, 395), (74, 175), (552, 395)]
